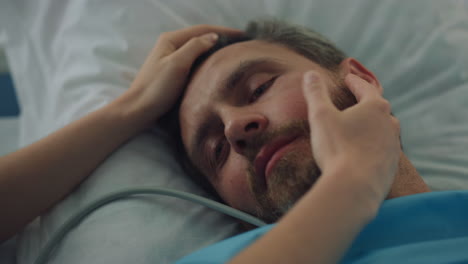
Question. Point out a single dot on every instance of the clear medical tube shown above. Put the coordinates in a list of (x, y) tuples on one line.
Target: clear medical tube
[(79, 216)]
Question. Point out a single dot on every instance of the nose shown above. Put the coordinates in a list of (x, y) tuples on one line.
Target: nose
[(241, 128)]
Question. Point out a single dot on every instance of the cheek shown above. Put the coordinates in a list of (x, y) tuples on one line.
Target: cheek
[(295, 104), (288, 100), (233, 185)]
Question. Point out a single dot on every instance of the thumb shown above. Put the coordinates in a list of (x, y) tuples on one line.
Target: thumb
[(316, 95)]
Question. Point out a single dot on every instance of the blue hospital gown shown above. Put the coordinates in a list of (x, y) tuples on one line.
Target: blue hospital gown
[(421, 228)]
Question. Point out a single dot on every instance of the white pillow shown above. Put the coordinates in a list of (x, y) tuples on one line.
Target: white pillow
[(70, 57)]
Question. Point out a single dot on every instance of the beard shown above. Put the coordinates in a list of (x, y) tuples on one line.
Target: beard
[(295, 172)]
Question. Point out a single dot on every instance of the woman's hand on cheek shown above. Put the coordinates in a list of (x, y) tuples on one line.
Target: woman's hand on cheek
[(163, 76), (363, 138)]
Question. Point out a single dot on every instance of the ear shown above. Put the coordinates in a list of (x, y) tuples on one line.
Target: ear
[(351, 65)]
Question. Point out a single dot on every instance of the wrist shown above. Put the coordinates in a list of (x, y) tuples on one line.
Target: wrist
[(129, 110), (348, 181)]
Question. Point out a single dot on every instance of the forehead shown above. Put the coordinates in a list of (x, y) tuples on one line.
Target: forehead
[(199, 96)]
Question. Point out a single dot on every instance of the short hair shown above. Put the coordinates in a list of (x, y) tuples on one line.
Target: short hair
[(299, 39)]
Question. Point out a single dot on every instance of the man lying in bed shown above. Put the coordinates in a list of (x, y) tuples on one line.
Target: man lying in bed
[(245, 111), (284, 119), (268, 115)]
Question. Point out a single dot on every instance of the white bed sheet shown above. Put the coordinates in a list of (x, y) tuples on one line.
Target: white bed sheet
[(9, 128), (69, 57)]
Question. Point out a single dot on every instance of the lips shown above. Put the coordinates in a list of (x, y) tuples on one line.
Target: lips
[(267, 152)]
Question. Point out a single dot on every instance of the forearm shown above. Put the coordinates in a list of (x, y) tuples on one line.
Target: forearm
[(319, 228), (35, 177)]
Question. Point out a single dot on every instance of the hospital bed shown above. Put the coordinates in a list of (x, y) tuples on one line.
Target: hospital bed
[(70, 57), (9, 112)]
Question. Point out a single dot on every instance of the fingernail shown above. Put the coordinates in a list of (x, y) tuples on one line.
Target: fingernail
[(310, 77), (212, 37)]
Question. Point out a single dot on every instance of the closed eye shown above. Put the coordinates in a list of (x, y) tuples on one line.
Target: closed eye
[(261, 89), (220, 152)]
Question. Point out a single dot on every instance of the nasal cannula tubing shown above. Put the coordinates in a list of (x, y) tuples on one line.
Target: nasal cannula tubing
[(79, 216)]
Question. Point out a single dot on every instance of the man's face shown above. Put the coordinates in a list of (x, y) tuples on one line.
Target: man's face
[(244, 124)]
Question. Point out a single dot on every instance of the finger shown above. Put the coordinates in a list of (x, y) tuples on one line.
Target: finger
[(170, 41), (191, 50), (360, 88), (179, 37), (316, 95), (396, 123)]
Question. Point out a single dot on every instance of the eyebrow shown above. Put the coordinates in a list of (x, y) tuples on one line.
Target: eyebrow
[(244, 70)]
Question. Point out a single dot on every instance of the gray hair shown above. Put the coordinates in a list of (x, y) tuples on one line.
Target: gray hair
[(300, 39)]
